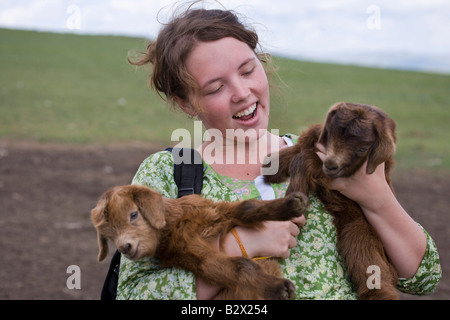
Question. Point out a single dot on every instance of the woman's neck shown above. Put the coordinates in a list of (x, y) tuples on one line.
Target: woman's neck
[(241, 161)]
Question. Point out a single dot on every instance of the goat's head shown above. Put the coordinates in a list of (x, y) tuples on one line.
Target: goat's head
[(131, 217), (354, 133)]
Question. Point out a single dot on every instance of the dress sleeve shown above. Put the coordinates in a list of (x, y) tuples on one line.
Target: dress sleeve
[(428, 274), (144, 279), (156, 172)]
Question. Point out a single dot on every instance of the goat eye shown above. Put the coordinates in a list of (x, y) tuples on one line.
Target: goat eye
[(133, 216), (363, 149)]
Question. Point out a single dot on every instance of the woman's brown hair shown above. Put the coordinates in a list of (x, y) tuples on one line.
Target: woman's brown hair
[(178, 38)]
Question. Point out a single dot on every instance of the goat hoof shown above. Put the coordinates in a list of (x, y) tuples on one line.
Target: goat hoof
[(283, 290), (289, 291), (297, 203)]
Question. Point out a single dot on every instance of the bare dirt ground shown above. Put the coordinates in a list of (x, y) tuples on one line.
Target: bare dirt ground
[(47, 192)]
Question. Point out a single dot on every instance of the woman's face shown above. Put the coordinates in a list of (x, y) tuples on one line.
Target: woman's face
[(234, 90)]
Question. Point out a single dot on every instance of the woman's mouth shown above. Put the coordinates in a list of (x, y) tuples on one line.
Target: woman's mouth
[(246, 114)]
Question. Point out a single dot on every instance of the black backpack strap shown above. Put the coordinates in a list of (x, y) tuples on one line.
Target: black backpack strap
[(109, 290), (188, 175), (187, 171)]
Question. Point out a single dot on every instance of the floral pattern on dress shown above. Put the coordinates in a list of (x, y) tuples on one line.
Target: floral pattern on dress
[(314, 265)]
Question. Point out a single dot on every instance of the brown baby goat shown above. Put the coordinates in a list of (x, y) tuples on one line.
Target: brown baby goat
[(181, 233), (352, 134)]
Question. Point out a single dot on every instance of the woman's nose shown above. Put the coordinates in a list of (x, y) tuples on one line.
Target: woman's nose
[(240, 92)]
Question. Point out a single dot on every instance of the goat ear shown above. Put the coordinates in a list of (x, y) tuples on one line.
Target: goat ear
[(102, 246), (301, 176), (98, 216), (151, 205), (324, 134), (384, 148), (325, 130)]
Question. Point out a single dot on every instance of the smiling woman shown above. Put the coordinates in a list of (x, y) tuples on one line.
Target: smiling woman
[(170, 76), (205, 62), (230, 91), (238, 88)]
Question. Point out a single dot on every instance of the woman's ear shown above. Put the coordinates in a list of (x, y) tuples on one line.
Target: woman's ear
[(186, 106)]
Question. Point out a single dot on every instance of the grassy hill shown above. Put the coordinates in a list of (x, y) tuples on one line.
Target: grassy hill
[(80, 89)]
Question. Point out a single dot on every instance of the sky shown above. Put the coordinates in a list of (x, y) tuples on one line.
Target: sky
[(402, 34)]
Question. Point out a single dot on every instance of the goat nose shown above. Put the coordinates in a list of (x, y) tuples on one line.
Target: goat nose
[(331, 164), (125, 248)]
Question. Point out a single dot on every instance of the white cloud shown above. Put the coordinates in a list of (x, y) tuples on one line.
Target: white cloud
[(321, 29), (29, 14)]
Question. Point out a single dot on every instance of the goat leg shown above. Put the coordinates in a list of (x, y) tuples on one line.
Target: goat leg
[(241, 278), (252, 212), (244, 279), (363, 252), (282, 160)]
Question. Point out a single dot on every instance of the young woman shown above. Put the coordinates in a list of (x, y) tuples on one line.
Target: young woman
[(207, 63)]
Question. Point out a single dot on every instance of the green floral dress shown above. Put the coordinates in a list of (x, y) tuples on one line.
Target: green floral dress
[(314, 265)]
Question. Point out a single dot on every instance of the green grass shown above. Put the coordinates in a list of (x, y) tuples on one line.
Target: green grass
[(80, 89), (418, 102), (77, 89)]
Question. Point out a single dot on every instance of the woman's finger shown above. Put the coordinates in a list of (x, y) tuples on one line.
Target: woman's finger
[(322, 151), (299, 221)]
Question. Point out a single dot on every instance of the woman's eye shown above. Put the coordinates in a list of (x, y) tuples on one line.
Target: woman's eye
[(249, 72), (216, 90), (133, 216)]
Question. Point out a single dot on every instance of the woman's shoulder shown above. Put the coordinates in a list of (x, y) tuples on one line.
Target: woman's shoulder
[(157, 161), (156, 172)]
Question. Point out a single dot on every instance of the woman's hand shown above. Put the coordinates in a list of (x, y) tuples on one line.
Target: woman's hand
[(403, 240), (368, 190), (273, 240)]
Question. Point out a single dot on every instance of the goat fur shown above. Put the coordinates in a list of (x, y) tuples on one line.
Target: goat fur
[(352, 135), (183, 233)]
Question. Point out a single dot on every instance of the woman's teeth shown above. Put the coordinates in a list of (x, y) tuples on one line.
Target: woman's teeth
[(246, 112)]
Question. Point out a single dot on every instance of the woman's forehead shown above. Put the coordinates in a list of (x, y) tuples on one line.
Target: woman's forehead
[(213, 59)]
